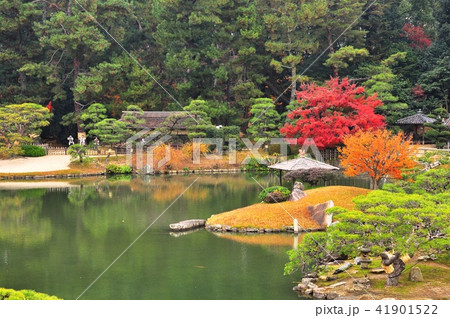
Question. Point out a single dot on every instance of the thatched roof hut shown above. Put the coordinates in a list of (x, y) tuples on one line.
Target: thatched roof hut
[(415, 124), (301, 163)]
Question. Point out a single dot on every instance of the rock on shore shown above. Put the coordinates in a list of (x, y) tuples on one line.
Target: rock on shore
[(187, 225)]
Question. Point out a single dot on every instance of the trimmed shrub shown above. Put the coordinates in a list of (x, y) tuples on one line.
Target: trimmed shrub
[(274, 194), (25, 294), (126, 169), (32, 151), (433, 181), (115, 169)]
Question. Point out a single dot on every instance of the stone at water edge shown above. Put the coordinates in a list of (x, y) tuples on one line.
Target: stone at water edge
[(320, 293), (318, 214), (332, 295), (187, 225), (307, 280), (415, 275)]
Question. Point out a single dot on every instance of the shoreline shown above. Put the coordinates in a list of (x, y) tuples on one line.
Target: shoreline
[(57, 174)]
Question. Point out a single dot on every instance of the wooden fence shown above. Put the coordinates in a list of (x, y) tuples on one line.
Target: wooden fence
[(330, 156), (55, 151)]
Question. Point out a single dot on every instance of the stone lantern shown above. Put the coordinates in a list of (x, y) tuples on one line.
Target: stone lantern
[(365, 259)]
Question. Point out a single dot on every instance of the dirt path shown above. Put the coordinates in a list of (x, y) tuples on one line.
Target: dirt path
[(39, 164)]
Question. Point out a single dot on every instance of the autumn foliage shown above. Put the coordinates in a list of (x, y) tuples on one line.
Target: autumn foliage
[(329, 112), (378, 153), (274, 216), (417, 36)]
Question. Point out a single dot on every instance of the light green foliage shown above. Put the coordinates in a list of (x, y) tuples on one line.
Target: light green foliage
[(19, 124), (345, 55), (199, 120), (93, 114), (433, 181), (406, 222), (25, 294), (381, 82), (115, 169), (111, 131), (77, 151), (265, 120), (133, 118)]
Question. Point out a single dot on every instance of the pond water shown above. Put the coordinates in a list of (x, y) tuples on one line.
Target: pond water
[(58, 237)]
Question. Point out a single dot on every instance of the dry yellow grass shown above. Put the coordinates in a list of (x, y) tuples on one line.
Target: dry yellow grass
[(263, 215)]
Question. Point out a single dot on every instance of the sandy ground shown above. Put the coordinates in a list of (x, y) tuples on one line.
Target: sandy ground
[(13, 185), (39, 164)]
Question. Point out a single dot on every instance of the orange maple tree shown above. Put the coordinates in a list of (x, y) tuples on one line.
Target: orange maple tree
[(379, 153)]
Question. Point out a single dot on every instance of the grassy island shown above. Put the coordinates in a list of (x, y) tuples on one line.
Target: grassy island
[(274, 216)]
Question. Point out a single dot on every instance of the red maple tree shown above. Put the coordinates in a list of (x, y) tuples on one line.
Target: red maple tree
[(418, 91), (417, 36), (49, 106), (329, 112)]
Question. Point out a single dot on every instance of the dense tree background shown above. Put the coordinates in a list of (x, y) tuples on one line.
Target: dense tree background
[(226, 52)]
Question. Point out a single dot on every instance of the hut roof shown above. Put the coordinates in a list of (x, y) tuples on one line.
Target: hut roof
[(157, 119), (417, 119), (302, 163)]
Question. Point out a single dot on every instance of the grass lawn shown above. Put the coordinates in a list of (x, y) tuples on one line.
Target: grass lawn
[(274, 216)]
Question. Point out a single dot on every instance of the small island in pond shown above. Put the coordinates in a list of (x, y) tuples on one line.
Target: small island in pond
[(274, 218)]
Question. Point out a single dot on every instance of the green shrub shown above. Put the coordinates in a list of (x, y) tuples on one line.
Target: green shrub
[(126, 169), (25, 294), (77, 151), (32, 151), (115, 169), (254, 165), (433, 181), (274, 194)]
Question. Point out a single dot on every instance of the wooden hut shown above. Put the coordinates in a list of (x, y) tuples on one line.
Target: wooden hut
[(415, 125), (300, 163)]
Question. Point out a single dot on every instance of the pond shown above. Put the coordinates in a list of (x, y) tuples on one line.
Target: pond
[(58, 237)]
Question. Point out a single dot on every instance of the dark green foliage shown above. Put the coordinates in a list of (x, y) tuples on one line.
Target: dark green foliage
[(438, 134), (226, 53), (32, 151), (254, 165), (274, 194), (115, 169), (311, 176)]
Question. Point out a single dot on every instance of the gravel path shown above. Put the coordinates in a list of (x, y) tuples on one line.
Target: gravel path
[(38, 164)]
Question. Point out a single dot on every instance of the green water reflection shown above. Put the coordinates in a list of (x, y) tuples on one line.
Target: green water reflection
[(58, 240)]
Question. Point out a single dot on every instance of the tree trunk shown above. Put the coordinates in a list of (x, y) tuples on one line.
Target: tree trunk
[(398, 265), (23, 82), (294, 85), (331, 45)]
